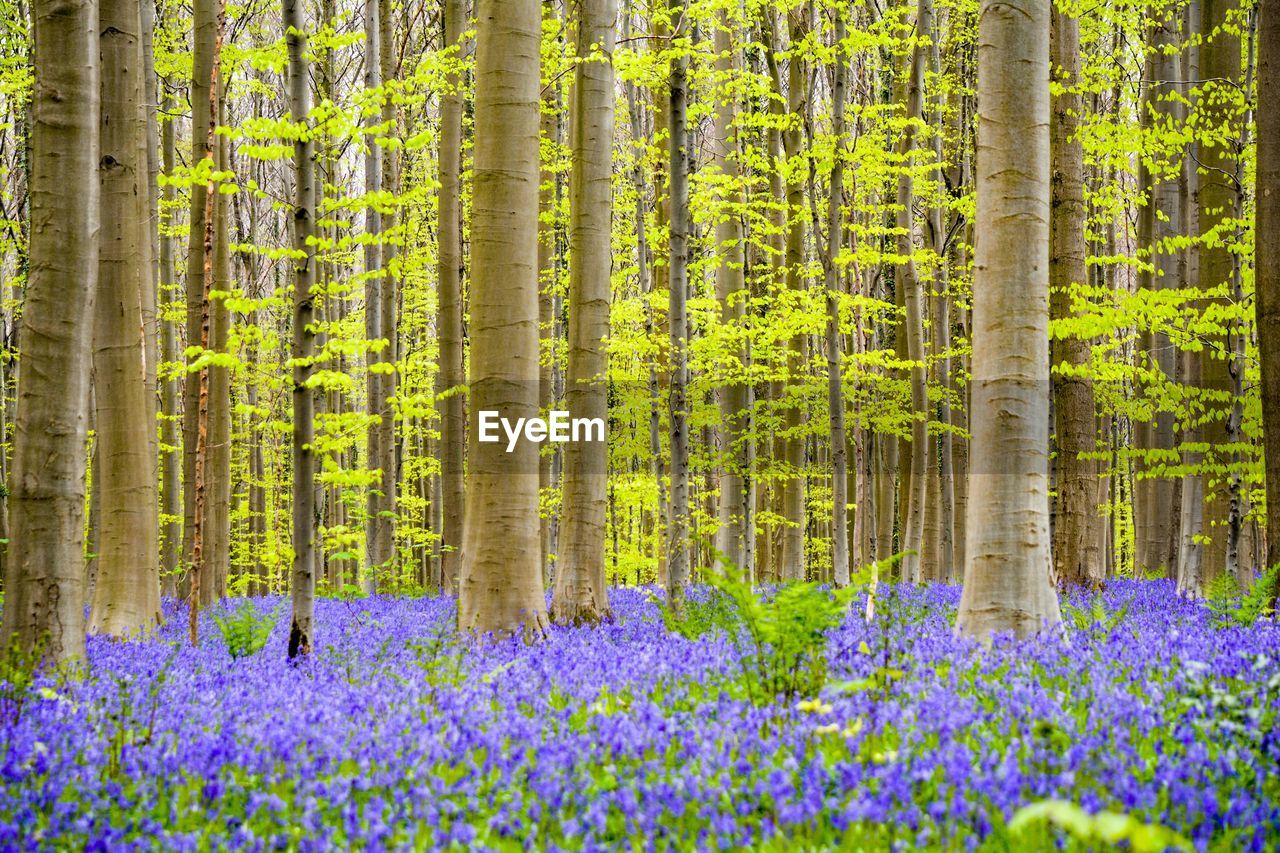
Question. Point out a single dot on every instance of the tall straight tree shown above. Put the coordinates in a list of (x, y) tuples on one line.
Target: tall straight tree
[(126, 597), (1220, 72), (1157, 500), (1076, 539), (205, 66), (831, 276), (1006, 573), (678, 284), (387, 461), (549, 300), (450, 379), (217, 525), (581, 590), (913, 541), (501, 589), (1267, 265), (171, 484), (44, 569), (791, 554), (730, 291), (376, 544), (303, 582)]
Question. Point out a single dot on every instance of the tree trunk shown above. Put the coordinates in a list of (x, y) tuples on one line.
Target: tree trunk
[(1156, 511), (1076, 559), (207, 37), (645, 282), (44, 605), (171, 484), (1220, 69), (730, 291), (1239, 563), (302, 587), (913, 539), (658, 322), (453, 424), (383, 524), (548, 286), (831, 274), (501, 589), (678, 283), (1006, 578), (375, 269), (217, 535), (581, 592), (791, 557), (126, 600), (940, 323), (1267, 264), (1190, 570)]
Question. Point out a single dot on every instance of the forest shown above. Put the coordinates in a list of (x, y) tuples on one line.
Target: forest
[(639, 424)]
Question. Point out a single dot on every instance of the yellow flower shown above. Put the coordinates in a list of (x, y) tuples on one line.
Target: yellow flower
[(814, 706)]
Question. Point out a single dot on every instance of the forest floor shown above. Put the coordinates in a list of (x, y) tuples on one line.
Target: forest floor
[(398, 734)]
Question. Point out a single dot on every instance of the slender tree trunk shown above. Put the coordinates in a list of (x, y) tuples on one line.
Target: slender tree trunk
[(1006, 578), (171, 484), (730, 291), (657, 322), (151, 282), (126, 600), (92, 537), (1190, 571), (940, 326), (1156, 511), (547, 287), (453, 425), (678, 282), (581, 592), (1267, 264), (207, 37), (501, 589), (1238, 563), (1220, 69), (831, 274), (384, 522), (792, 553), (1076, 559), (205, 32), (646, 276), (302, 587), (257, 481), (218, 522), (375, 269), (44, 602), (913, 538)]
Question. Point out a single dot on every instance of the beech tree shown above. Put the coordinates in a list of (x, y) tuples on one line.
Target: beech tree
[(1267, 270), (501, 587), (126, 596), (44, 606), (730, 291), (304, 202), (449, 288), (581, 587), (1076, 539), (1006, 574), (677, 305)]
